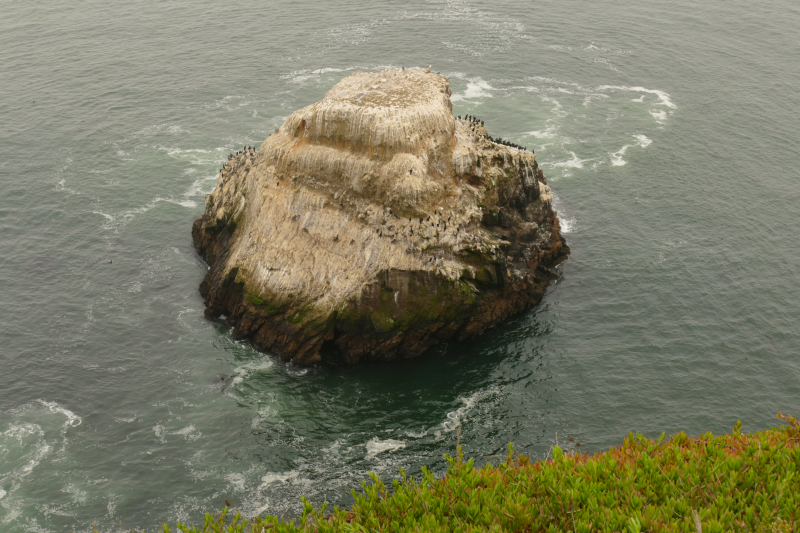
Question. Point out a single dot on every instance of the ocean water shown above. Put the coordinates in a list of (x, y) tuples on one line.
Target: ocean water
[(668, 130)]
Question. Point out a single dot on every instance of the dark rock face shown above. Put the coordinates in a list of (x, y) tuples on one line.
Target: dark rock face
[(375, 226)]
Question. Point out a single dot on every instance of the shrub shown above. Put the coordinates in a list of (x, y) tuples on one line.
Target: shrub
[(734, 482)]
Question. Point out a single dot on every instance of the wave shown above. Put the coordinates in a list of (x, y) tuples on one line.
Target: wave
[(575, 162), (28, 440), (660, 116), (73, 420), (377, 446), (476, 88), (567, 224), (616, 157), (456, 417), (664, 98)]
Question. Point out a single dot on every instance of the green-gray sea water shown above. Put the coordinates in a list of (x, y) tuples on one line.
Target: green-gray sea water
[(669, 131)]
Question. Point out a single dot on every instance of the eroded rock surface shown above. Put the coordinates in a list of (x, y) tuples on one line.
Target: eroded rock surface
[(374, 224)]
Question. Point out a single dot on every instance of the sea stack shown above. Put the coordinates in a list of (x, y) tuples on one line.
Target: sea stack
[(374, 224)]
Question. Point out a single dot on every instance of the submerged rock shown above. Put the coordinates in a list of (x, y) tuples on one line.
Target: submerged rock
[(374, 224)]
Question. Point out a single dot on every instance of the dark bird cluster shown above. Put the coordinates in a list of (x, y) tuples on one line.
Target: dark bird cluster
[(476, 122), (470, 118), (502, 141), (249, 150)]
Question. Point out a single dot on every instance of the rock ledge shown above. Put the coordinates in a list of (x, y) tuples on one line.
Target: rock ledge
[(374, 224)]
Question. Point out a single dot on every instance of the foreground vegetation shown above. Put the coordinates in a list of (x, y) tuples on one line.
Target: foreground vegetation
[(734, 482)]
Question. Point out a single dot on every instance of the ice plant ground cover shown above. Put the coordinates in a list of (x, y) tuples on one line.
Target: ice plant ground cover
[(733, 482)]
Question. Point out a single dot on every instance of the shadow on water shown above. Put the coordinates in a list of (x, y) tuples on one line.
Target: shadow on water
[(335, 424), (416, 393)]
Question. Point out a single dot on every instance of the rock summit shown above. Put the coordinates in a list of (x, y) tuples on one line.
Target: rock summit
[(374, 224)]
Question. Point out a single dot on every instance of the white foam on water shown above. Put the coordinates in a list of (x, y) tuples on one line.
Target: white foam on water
[(376, 446), (567, 224), (243, 371), (236, 100), (2, 494), (616, 157), (302, 76), (78, 495), (237, 481), (160, 431), (476, 88), (176, 151), (182, 203), (575, 162), (158, 129), (190, 433), (644, 142), (558, 109), (264, 414), (296, 372), (109, 218), (120, 220), (61, 184), (457, 417), (660, 116), (20, 458), (587, 100), (257, 365), (281, 483), (639, 100), (274, 477), (199, 187), (663, 97), (548, 133), (73, 420)]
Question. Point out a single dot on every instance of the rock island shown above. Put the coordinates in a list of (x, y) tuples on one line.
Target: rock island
[(374, 224)]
